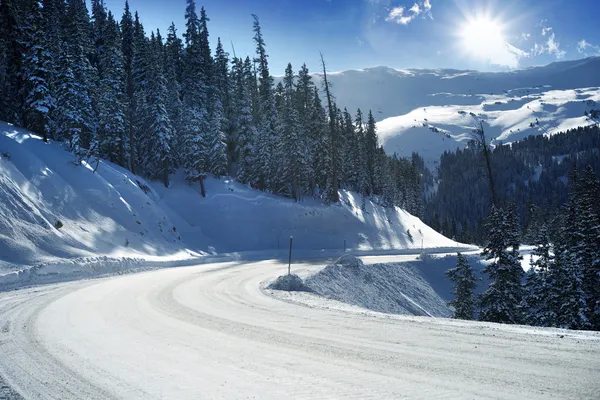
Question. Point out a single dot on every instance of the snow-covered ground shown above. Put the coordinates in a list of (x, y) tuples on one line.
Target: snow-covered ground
[(213, 331), (52, 210), (418, 110)]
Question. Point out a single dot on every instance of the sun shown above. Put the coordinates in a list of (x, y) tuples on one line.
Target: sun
[(481, 35)]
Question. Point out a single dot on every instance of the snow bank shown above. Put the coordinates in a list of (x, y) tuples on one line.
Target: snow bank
[(391, 288), (411, 288), (290, 283)]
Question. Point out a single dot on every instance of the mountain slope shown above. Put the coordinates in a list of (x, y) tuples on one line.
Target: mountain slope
[(111, 212), (418, 109)]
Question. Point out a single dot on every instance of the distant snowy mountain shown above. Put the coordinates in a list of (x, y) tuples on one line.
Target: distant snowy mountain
[(52, 209), (418, 109)]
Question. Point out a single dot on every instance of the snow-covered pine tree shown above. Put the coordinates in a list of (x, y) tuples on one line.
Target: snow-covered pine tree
[(362, 184), (242, 120), (370, 153), (98, 32), (75, 116), (127, 39), (587, 246), (139, 73), (35, 74), (537, 302), (565, 286), (10, 54), (304, 105), (223, 90), (351, 154), (331, 189), (464, 281), (173, 68), (292, 151), (195, 115), (320, 138), (112, 135), (567, 297), (218, 110), (157, 161), (501, 301), (266, 117)]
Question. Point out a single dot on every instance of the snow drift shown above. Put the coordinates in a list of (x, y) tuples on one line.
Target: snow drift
[(417, 288)]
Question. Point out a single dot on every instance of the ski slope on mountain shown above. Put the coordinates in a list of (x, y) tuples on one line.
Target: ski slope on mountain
[(52, 209), (418, 110)]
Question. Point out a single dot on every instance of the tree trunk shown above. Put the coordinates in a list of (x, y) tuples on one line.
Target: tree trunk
[(166, 173), (334, 173), (202, 190), (488, 164)]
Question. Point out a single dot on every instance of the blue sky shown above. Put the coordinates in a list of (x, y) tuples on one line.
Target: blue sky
[(463, 34)]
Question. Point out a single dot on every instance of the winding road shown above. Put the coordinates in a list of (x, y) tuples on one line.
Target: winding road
[(213, 331)]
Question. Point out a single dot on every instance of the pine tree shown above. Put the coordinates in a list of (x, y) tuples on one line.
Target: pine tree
[(537, 301), (362, 178), (127, 48), (266, 118), (36, 71), (292, 151), (158, 161), (10, 61), (139, 75), (331, 191), (111, 100), (587, 248), (501, 301), (304, 109), (223, 90), (464, 285), (195, 116), (370, 154), (173, 72), (75, 115), (320, 139)]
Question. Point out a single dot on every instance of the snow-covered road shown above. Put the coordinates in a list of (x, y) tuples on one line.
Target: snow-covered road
[(210, 331)]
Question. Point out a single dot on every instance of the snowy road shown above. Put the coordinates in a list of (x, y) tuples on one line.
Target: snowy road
[(210, 332)]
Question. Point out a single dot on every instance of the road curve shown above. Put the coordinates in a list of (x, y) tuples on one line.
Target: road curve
[(211, 331)]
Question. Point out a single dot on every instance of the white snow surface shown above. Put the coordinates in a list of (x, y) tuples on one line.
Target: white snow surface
[(417, 109), (214, 332), (112, 219), (397, 288)]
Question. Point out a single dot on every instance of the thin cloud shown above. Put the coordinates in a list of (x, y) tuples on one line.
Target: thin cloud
[(551, 46), (403, 16), (586, 48)]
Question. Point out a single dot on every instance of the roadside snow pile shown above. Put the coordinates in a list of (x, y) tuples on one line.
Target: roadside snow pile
[(290, 283), (396, 288), (68, 270)]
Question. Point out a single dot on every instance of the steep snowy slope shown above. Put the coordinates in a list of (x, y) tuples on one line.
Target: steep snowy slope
[(52, 209), (418, 109)]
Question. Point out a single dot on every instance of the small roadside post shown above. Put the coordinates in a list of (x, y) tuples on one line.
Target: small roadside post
[(290, 261), (344, 245)]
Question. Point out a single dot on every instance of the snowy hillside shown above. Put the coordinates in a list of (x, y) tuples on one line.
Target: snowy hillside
[(418, 110), (51, 209)]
